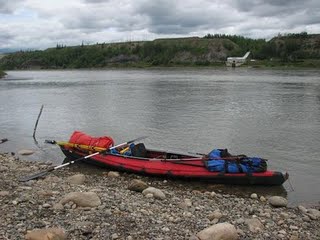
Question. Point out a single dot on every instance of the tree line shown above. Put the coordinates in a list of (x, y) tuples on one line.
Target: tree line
[(212, 48)]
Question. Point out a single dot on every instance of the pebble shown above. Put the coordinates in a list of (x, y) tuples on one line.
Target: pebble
[(254, 225), (122, 213), (46, 205), (277, 201), (157, 193), (77, 179), (263, 199), (254, 196), (112, 174), (25, 152), (4, 193), (137, 185), (82, 199), (219, 231)]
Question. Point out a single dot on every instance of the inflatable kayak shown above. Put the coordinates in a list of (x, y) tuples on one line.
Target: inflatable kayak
[(136, 158)]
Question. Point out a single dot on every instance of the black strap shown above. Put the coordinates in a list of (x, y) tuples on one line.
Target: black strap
[(226, 164), (240, 169)]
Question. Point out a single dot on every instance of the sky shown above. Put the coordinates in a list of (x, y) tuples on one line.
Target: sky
[(40, 24)]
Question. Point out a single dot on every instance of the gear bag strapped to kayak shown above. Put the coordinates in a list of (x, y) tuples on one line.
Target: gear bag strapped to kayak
[(220, 160), (83, 139)]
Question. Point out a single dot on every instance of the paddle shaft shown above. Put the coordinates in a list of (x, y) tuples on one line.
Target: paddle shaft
[(43, 173)]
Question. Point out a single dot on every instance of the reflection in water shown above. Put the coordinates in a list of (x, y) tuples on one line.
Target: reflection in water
[(270, 113)]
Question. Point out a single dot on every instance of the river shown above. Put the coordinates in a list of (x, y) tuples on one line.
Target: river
[(274, 114)]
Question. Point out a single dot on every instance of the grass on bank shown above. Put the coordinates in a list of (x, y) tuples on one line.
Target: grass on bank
[(278, 63), (2, 74)]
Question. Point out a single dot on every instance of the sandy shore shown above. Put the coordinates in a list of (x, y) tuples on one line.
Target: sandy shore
[(109, 205)]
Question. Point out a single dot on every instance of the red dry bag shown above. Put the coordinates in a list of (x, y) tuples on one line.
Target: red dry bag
[(83, 139)]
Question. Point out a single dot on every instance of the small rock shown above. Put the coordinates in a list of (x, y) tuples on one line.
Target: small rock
[(215, 220), (240, 221), (77, 179), (284, 215), (277, 201), (215, 215), (137, 185), (114, 236), (3, 168), (157, 193), (58, 206), (213, 194), (263, 199), (112, 174), (240, 232), (219, 231), (193, 237), (293, 227), (46, 205), (24, 188), (43, 193), (48, 233), (26, 152), (188, 202), (302, 209), (294, 237), (149, 195), (85, 227), (313, 213), (254, 225), (165, 229), (52, 179), (82, 199), (283, 232), (254, 196), (306, 218), (4, 193)]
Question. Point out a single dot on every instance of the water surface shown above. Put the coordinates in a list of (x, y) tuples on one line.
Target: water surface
[(274, 114)]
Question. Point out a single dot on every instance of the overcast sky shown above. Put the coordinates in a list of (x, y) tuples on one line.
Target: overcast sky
[(39, 24)]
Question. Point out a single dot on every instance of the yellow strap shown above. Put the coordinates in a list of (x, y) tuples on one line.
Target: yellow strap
[(124, 150), (86, 147)]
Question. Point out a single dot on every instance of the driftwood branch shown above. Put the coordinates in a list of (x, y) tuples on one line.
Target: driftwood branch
[(36, 125), (3, 140)]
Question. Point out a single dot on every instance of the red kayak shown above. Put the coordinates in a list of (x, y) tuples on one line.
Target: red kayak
[(161, 163)]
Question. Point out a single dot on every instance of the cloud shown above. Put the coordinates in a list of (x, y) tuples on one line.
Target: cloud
[(8, 7), (42, 24), (185, 16)]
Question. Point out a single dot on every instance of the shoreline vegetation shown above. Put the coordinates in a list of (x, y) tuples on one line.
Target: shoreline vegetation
[(73, 203), (2, 74), (301, 50)]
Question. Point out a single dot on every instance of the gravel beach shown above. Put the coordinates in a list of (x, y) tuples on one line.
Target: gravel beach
[(70, 203)]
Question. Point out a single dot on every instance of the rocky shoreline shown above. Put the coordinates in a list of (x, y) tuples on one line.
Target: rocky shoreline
[(70, 204)]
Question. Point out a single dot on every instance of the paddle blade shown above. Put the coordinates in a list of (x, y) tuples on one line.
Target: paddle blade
[(137, 139), (35, 176)]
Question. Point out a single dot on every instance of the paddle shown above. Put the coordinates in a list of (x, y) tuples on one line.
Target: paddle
[(43, 173)]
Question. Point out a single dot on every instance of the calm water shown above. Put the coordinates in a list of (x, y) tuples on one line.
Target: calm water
[(274, 114)]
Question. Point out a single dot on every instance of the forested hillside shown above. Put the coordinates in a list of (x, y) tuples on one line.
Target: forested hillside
[(195, 51)]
